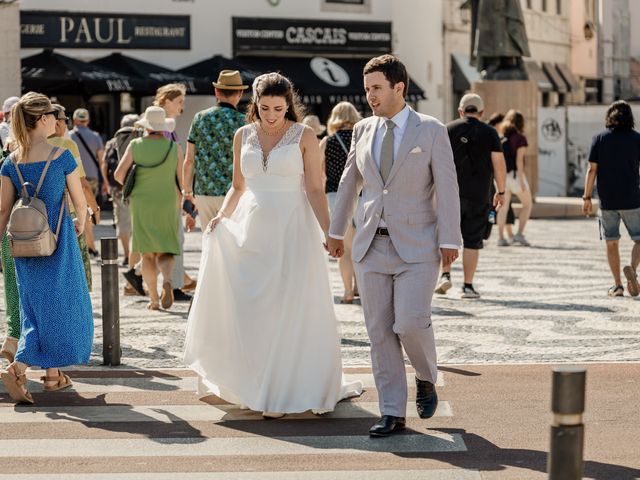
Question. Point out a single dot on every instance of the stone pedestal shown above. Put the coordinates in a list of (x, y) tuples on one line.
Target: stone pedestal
[(503, 95), (10, 78)]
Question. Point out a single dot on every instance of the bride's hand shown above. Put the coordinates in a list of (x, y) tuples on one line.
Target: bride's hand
[(215, 221)]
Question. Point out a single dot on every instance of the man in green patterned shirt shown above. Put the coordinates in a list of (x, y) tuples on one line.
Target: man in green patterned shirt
[(210, 147)]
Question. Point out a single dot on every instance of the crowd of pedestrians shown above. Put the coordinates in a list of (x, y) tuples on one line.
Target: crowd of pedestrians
[(154, 187)]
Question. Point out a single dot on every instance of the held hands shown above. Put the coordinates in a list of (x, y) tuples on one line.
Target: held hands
[(449, 256), (334, 246)]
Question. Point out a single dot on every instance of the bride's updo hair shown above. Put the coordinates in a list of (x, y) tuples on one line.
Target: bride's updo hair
[(274, 85)]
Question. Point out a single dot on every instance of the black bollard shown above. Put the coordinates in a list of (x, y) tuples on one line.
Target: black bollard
[(110, 302), (567, 430)]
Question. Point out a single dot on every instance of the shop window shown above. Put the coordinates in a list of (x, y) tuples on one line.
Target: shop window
[(545, 99), (346, 6), (562, 99)]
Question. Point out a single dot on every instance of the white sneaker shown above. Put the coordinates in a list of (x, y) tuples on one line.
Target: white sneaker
[(518, 238), (469, 292), (503, 242), (444, 285), (272, 415)]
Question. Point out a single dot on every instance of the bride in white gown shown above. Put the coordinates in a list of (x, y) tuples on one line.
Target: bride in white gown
[(262, 330)]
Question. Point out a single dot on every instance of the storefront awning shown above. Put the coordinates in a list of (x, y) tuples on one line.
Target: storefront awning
[(568, 76), (152, 75), (537, 75), (463, 73), (559, 85), (208, 70), (321, 79), (55, 74)]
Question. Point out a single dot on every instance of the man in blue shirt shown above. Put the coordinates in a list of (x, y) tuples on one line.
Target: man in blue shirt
[(614, 160)]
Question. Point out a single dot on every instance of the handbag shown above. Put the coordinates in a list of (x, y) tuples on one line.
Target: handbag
[(130, 179)]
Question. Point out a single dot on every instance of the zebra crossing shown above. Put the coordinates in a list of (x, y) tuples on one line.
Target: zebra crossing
[(147, 424)]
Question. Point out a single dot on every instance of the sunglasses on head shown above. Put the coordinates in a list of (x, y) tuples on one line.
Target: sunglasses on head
[(52, 112)]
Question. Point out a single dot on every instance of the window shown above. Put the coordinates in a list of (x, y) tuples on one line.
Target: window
[(559, 7), (529, 4), (544, 5)]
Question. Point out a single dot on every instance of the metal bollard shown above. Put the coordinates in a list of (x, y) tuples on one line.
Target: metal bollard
[(110, 302), (567, 431)]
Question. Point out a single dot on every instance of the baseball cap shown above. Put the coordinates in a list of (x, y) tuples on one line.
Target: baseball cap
[(81, 114), (9, 103), (471, 102)]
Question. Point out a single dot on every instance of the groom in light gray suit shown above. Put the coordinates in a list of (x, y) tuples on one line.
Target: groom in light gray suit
[(407, 221)]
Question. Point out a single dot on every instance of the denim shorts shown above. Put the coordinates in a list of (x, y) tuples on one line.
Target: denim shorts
[(610, 223)]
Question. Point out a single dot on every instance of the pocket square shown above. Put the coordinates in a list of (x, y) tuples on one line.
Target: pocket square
[(416, 150)]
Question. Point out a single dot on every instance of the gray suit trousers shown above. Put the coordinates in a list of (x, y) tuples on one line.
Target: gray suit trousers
[(396, 298)]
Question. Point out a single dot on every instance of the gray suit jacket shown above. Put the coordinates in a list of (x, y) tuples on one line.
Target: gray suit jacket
[(419, 202)]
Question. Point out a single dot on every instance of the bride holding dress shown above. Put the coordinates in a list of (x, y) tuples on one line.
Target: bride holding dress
[(262, 330)]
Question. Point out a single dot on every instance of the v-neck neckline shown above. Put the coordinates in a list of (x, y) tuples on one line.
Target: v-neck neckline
[(265, 158)]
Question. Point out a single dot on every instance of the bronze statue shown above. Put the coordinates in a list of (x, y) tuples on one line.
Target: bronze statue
[(498, 39)]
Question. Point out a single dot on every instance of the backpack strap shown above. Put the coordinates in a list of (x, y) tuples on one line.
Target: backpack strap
[(23, 190), (63, 207), (54, 150)]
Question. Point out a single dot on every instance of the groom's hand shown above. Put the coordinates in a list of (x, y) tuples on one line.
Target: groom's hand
[(449, 256), (335, 247)]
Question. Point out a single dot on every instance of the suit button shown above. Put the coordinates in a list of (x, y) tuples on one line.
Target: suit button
[(385, 191)]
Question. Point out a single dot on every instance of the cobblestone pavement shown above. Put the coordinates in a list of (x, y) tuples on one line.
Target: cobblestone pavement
[(546, 303)]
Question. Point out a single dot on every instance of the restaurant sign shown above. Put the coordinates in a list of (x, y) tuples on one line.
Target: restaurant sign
[(59, 29), (266, 36)]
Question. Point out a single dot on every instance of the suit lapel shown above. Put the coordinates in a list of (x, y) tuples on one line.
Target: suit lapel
[(408, 139), (371, 132)]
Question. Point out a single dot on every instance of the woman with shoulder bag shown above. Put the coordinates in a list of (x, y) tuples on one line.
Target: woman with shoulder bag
[(55, 315), (152, 201)]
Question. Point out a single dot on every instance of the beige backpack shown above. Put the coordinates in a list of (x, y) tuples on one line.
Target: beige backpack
[(28, 229)]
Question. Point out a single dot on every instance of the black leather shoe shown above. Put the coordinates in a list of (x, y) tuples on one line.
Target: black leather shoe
[(134, 280), (387, 425), (180, 296), (426, 398)]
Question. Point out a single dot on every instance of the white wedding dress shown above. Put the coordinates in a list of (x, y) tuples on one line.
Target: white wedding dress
[(262, 330)]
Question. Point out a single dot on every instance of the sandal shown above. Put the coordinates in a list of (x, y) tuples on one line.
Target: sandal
[(632, 280), (153, 305), (189, 286), (167, 295), (62, 381), (9, 348), (616, 291), (15, 384)]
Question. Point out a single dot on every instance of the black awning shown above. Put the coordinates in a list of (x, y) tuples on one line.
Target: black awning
[(464, 74), (537, 75), (150, 74), (208, 70), (321, 79), (559, 85), (55, 74)]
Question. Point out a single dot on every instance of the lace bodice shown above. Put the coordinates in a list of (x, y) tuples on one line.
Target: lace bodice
[(284, 159)]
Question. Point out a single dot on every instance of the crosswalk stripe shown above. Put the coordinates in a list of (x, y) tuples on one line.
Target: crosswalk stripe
[(248, 446), (446, 474), (173, 383), (184, 413)]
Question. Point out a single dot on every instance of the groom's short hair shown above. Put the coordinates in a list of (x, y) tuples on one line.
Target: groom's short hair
[(392, 68)]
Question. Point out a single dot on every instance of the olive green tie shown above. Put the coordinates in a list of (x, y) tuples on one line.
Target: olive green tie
[(386, 152)]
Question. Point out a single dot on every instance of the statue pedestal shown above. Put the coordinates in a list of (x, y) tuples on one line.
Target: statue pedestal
[(522, 95)]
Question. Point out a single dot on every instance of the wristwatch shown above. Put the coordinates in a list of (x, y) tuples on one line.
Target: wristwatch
[(185, 193), (586, 198)]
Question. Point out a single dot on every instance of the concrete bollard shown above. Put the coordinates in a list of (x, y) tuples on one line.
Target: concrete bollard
[(567, 431), (110, 302)]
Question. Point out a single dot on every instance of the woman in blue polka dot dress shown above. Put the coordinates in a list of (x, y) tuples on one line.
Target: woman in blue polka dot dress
[(55, 308)]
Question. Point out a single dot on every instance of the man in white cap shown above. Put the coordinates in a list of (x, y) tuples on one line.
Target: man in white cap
[(91, 150), (5, 126), (477, 153)]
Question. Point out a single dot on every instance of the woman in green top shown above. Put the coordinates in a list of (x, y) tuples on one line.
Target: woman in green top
[(154, 216)]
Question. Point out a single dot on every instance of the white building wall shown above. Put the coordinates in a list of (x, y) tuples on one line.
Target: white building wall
[(417, 40), (10, 50), (210, 22)]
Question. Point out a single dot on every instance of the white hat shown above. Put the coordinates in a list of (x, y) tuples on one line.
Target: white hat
[(155, 119), (9, 103)]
